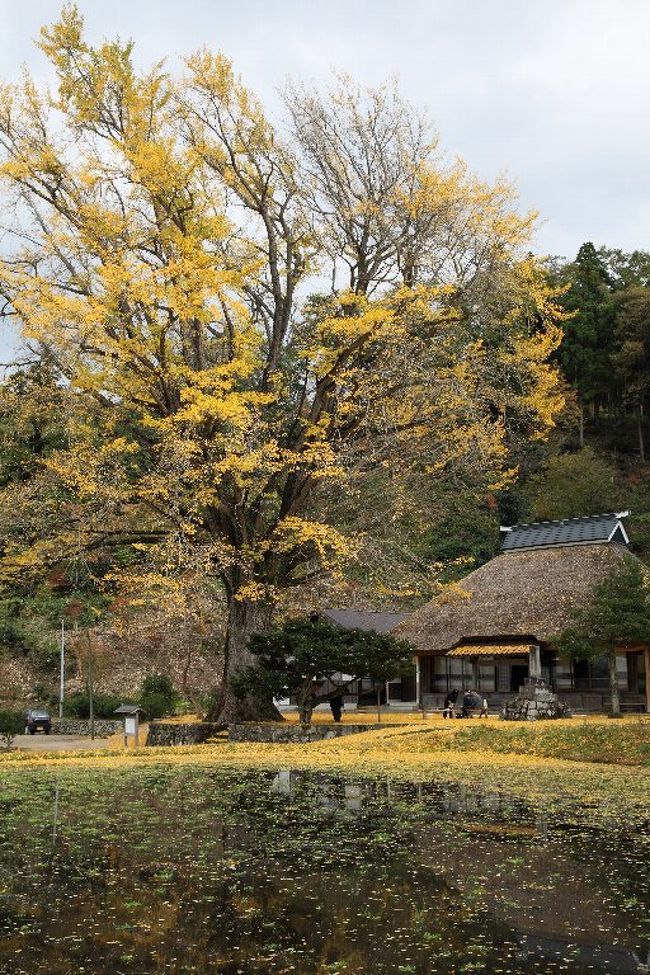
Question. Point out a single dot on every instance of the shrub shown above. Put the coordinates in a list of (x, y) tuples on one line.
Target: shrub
[(11, 723), (157, 696), (158, 684), (78, 705), (210, 703), (154, 706)]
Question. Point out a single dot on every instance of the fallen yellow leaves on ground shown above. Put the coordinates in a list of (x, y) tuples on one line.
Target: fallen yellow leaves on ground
[(427, 717), (415, 751), (117, 740)]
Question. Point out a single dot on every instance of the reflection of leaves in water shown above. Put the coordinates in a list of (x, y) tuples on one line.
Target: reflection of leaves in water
[(193, 870)]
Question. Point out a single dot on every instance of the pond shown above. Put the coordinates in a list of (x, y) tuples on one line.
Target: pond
[(195, 870)]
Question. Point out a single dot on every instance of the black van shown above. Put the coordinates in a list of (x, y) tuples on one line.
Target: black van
[(38, 719)]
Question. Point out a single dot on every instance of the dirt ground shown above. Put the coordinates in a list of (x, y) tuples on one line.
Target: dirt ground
[(57, 743)]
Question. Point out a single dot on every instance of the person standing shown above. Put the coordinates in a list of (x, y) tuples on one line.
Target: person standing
[(468, 704), (450, 704), (483, 713), (336, 706)]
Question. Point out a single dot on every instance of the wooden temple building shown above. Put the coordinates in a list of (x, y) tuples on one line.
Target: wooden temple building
[(497, 630)]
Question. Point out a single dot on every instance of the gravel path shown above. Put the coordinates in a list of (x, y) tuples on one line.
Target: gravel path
[(57, 743)]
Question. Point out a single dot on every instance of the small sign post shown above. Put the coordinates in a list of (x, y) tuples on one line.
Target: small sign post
[(131, 715)]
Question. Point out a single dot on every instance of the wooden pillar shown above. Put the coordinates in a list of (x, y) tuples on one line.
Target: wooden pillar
[(475, 673), (647, 679), (534, 661)]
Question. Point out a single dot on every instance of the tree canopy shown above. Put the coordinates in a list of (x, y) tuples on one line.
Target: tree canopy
[(12, 723), (584, 353), (604, 352), (313, 661), (617, 615), (574, 484)]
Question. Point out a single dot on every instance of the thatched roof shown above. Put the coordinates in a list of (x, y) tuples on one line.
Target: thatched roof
[(518, 594)]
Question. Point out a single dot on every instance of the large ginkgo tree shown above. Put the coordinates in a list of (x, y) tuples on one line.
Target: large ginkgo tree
[(247, 315)]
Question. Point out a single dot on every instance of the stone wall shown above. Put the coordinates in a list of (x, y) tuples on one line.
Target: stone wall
[(291, 733), (535, 702), (76, 726), (191, 733)]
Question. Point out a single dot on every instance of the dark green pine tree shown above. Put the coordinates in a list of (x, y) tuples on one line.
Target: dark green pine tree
[(313, 661), (617, 615), (631, 358), (585, 353)]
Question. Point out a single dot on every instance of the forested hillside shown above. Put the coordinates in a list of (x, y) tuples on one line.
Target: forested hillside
[(595, 460)]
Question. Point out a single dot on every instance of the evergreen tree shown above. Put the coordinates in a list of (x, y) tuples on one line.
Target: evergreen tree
[(585, 353), (12, 723), (631, 360), (617, 615), (313, 661), (582, 483)]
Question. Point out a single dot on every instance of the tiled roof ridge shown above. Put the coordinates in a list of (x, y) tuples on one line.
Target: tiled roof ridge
[(362, 612), (565, 521), (379, 621)]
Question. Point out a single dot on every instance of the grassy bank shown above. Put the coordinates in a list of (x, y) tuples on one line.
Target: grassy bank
[(609, 743)]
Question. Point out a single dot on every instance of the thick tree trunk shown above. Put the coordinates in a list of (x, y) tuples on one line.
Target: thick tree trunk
[(613, 684), (244, 619), (305, 711), (305, 701)]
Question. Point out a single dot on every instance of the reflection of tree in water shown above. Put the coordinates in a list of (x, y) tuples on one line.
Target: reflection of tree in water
[(192, 870)]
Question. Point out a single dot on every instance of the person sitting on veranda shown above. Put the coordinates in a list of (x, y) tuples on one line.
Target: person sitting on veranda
[(450, 704)]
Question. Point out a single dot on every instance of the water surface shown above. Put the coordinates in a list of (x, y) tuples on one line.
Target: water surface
[(195, 870)]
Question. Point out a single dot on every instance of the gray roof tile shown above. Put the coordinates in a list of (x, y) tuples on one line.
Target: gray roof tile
[(354, 620), (571, 531)]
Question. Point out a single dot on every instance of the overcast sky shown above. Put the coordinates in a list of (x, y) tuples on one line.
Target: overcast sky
[(553, 92)]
